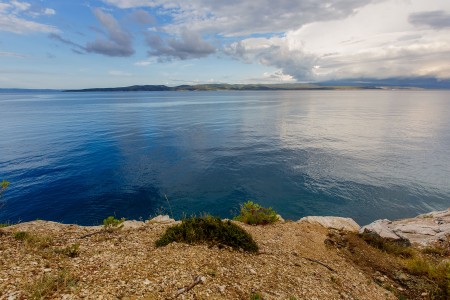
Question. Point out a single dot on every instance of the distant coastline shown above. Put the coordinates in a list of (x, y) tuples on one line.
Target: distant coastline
[(420, 83), (223, 87)]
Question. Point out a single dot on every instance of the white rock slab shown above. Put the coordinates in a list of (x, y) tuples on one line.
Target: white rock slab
[(339, 223)]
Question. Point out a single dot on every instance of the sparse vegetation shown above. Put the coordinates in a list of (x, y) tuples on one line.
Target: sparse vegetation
[(3, 225), (70, 251), (256, 296), (254, 214), (407, 272), (34, 240), (111, 223), (398, 248), (48, 284), (210, 230)]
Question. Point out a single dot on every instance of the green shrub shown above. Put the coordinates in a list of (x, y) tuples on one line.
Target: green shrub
[(209, 230), (254, 214), (21, 235), (111, 223), (256, 296)]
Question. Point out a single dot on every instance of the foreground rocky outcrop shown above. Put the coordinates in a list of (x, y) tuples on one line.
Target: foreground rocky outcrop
[(314, 258), (424, 230), (124, 264)]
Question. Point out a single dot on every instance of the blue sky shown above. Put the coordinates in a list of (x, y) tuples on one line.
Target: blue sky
[(82, 44)]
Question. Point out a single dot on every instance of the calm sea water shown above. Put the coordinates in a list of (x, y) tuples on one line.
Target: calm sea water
[(80, 157)]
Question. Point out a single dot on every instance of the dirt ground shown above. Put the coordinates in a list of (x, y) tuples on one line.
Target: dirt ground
[(57, 261)]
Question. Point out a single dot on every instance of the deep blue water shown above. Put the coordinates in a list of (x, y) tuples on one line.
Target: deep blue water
[(79, 157)]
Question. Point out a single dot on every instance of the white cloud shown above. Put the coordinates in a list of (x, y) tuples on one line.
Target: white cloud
[(345, 49), (119, 73), (13, 54), (49, 11), (12, 23), (13, 18), (143, 63), (314, 40), (131, 3)]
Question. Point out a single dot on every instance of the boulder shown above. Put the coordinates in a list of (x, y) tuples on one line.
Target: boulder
[(423, 230), (161, 219), (132, 224), (339, 223)]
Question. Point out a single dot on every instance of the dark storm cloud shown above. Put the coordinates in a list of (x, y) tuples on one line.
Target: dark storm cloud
[(437, 19)]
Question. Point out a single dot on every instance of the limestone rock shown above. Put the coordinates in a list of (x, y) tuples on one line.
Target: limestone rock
[(132, 224), (381, 228), (423, 230), (280, 219), (160, 219), (339, 223)]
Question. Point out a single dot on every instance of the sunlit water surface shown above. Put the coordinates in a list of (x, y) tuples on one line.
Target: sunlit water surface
[(80, 157)]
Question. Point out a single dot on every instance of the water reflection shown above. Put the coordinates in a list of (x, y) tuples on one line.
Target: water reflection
[(363, 154)]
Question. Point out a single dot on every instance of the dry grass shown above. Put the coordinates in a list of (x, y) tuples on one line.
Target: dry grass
[(48, 284), (405, 271)]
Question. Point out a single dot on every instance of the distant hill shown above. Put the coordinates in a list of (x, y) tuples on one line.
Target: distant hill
[(220, 87)]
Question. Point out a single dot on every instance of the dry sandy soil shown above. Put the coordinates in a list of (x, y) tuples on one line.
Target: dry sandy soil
[(293, 263)]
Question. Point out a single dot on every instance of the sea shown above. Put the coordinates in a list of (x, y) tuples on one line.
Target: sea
[(364, 154)]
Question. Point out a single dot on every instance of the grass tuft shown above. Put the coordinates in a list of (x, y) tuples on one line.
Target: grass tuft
[(34, 240), (254, 214), (208, 230), (48, 284), (70, 251)]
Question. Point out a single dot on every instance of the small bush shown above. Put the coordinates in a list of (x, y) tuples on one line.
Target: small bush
[(209, 230), (3, 225), (111, 223), (21, 235), (254, 214), (398, 248), (256, 296), (70, 251)]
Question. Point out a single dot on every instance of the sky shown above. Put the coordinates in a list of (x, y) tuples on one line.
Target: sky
[(108, 43)]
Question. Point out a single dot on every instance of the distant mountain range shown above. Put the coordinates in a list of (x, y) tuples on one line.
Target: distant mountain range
[(347, 84)]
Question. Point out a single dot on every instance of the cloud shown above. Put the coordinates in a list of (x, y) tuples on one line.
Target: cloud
[(130, 3), (344, 49), (119, 73), (12, 23), (246, 17), (277, 52), (49, 11), (437, 19), (142, 17), (189, 45), (12, 19), (118, 41), (76, 46), (13, 54)]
